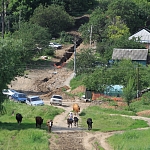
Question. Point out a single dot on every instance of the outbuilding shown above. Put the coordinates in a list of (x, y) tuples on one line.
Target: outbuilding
[(136, 55)]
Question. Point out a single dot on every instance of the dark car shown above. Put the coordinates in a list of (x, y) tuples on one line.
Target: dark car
[(19, 97)]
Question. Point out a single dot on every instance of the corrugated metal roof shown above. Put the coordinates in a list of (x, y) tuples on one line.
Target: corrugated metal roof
[(133, 54), (144, 36)]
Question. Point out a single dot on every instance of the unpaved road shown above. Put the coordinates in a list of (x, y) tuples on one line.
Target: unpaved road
[(75, 138)]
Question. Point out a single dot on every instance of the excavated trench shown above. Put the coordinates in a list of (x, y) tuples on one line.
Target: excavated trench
[(78, 22), (69, 52)]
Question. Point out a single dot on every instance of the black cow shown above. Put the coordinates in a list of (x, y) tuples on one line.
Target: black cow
[(69, 122), (39, 121), (89, 122), (19, 118), (75, 120)]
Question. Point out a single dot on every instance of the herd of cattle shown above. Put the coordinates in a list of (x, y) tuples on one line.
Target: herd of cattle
[(38, 120), (49, 123)]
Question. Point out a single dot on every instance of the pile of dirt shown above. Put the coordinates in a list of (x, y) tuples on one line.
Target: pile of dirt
[(59, 91), (143, 113), (80, 89)]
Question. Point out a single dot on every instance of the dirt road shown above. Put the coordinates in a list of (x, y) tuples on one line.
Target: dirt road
[(75, 138)]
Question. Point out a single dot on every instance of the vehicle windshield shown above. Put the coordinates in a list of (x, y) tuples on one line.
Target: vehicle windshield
[(22, 95), (35, 99), (58, 97)]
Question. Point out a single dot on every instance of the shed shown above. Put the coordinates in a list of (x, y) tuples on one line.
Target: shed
[(138, 55), (144, 36)]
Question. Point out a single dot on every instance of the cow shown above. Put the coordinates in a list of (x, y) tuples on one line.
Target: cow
[(19, 118), (75, 120), (39, 121), (76, 108), (89, 123), (69, 122), (49, 124)]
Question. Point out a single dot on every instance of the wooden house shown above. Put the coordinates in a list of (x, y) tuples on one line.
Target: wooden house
[(138, 55)]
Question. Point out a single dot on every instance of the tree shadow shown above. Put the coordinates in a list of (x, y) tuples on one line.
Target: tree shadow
[(23, 126)]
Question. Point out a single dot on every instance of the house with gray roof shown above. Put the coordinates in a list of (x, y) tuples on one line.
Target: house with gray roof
[(144, 36), (138, 55)]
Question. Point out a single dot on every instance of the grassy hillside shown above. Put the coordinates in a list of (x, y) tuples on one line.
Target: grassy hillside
[(25, 136)]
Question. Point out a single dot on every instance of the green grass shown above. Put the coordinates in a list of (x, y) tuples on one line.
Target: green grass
[(131, 140), (105, 122), (138, 106), (77, 81), (25, 136)]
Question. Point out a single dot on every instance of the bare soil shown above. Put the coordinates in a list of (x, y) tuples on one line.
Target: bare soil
[(48, 81)]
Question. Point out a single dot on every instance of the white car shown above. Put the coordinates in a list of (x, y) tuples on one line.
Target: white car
[(55, 45), (56, 99), (8, 92), (34, 101)]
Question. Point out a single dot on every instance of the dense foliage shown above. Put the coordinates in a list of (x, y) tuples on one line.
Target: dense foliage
[(53, 17), (12, 61), (32, 24)]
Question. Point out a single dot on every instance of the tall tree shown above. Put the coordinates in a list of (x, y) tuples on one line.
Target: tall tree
[(11, 64), (129, 92), (130, 13), (53, 17), (32, 35)]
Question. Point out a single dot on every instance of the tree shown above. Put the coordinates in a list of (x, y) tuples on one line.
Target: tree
[(11, 64), (32, 36), (97, 21), (85, 62), (119, 73), (54, 18), (130, 13), (129, 92), (117, 29)]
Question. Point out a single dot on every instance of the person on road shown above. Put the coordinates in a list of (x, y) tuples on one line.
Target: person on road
[(70, 116)]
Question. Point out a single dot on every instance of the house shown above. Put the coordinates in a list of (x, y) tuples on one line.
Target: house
[(144, 36), (138, 55)]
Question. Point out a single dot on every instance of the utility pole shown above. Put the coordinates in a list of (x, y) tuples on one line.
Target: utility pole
[(2, 18), (138, 81), (91, 36), (74, 56)]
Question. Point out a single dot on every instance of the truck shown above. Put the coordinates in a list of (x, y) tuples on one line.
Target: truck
[(88, 96)]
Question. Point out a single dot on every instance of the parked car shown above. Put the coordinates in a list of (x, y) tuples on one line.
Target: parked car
[(55, 45), (19, 97), (8, 92), (56, 99), (34, 101)]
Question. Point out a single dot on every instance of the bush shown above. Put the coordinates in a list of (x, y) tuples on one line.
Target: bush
[(48, 51), (65, 37)]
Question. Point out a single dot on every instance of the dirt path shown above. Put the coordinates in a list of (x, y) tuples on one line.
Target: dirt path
[(62, 136)]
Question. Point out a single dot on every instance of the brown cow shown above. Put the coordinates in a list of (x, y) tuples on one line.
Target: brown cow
[(39, 121), (49, 123), (76, 108)]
